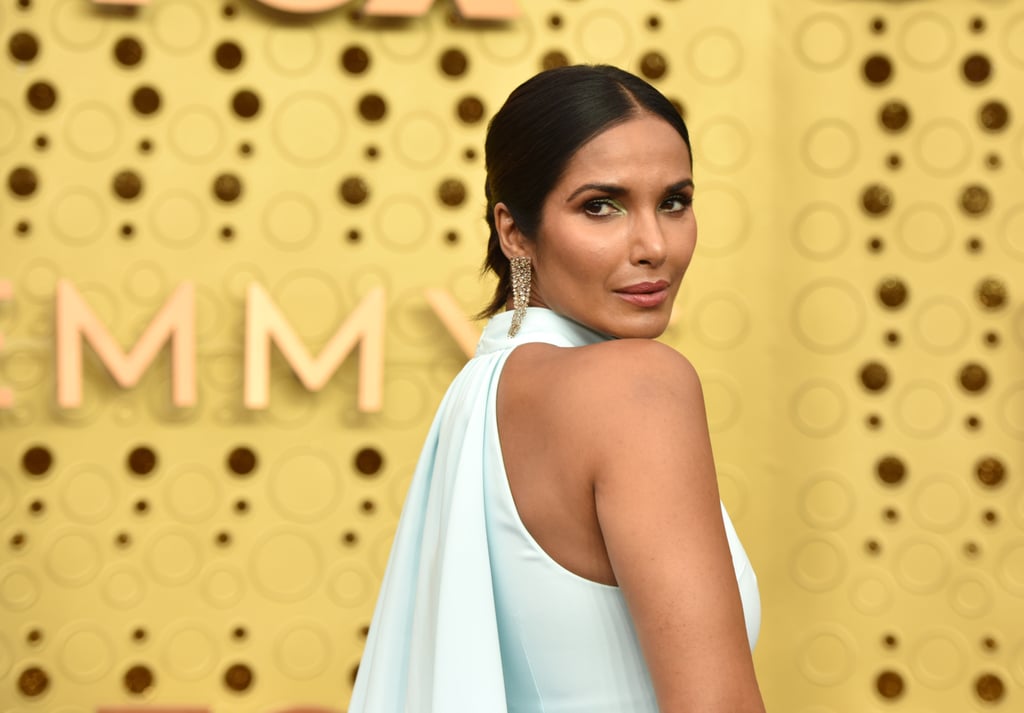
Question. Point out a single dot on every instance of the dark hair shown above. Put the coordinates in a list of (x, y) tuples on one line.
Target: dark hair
[(541, 126)]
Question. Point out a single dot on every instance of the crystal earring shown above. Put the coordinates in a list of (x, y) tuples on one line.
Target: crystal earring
[(521, 273)]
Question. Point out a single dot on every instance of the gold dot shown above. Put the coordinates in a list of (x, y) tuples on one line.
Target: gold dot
[(977, 68), (37, 507), (227, 187), (454, 62), (874, 376), (973, 423), (139, 634), (873, 547), (33, 682), (892, 292), (369, 461), (555, 20), (895, 116), (146, 100), (890, 515), (128, 51), (977, 24), (973, 377), (372, 107), (974, 245), (18, 540), (36, 460), (878, 25), (876, 245), (889, 684), (971, 549), (451, 192), (991, 293), (138, 679), (890, 641), (877, 199), (41, 96), (975, 200), (242, 461), (989, 687), (989, 644), (470, 109), (142, 460), (350, 538), (990, 472), (653, 65), (992, 339), (238, 677), (554, 59), (23, 46), (22, 181), (228, 55), (892, 337), (355, 59), (368, 506), (891, 470), (990, 517), (354, 190), (993, 116), (877, 69), (127, 185), (34, 636), (239, 633), (246, 104)]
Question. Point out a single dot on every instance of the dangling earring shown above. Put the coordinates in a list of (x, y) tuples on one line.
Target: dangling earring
[(521, 273)]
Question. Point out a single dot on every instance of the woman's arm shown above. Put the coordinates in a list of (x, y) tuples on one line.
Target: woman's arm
[(658, 506)]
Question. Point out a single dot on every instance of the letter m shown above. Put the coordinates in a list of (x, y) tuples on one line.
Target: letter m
[(264, 324), (76, 323)]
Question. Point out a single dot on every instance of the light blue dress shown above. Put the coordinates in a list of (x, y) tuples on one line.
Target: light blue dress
[(473, 616)]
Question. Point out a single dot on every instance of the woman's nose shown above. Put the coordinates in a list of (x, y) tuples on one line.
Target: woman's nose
[(648, 246)]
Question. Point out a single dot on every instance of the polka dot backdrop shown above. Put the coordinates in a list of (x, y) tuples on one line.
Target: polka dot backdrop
[(852, 310)]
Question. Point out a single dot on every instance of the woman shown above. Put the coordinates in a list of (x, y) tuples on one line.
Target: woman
[(563, 546)]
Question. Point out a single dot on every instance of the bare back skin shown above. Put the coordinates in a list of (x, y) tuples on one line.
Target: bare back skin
[(609, 463)]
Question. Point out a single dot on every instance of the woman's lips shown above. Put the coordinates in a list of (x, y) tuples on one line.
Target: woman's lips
[(645, 294)]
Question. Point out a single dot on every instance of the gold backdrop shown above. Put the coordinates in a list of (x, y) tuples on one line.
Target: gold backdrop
[(854, 310)]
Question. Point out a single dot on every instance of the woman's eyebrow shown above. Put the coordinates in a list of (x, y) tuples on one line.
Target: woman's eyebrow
[(609, 188), (616, 190)]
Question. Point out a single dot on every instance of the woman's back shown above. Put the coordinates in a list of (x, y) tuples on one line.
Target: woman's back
[(567, 637)]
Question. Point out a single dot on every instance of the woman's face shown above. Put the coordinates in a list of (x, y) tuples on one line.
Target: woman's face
[(617, 231)]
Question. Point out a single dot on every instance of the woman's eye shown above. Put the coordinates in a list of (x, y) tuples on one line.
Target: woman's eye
[(600, 207), (674, 204)]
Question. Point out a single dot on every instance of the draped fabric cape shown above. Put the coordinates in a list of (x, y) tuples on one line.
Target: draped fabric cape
[(433, 643)]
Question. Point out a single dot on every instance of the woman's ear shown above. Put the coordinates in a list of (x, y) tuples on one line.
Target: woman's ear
[(513, 242)]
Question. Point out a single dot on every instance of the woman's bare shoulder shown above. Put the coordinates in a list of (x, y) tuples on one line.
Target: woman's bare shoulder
[(591, 375), (632, 389)]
